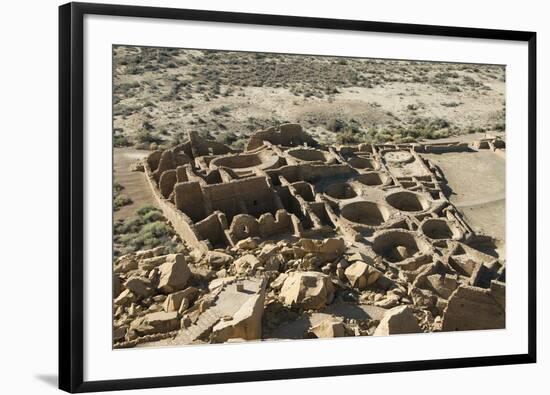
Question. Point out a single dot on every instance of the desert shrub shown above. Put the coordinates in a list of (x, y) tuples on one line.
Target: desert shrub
[(219, 110), (126, 110), (469, 81), (124, 88), (450, 104), (120, 201), (383, 137), (336, 125), (117, 188), (146, 229), (405, 139), (253, 123), (348, 137), (144, 136), (239, 144), (227, 138), (438, 123), (473, 129), (501, 126), (121, 141), (429, 128), (438, 134)]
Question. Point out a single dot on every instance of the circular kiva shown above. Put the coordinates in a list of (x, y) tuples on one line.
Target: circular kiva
[(398, 157), (358, 162), (340, 190), (308, 154), (438, 228), (365, 213), (372, 178), (396, 246), (245, 161), (408, 201)]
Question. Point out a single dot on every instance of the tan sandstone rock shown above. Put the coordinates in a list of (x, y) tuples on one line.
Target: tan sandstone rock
[(398, 320), (325, 250), (139, 286), (218, 260), (174, 300), (308, 290), (357, 274), (330, 327), (156, 322), (125, 298), (472, 308), (247, 244), (361, 274), (245, 324), (247, 264), (174, 274)]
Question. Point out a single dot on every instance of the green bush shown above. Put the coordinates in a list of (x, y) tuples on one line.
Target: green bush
[(121, 141), (227, 138), (336, 125), (144, 136), (347, 138), (219, 110), (146, 229), (120, 201)]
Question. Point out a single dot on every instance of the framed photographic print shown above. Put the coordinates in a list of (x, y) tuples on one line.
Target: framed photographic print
[(253, 197)]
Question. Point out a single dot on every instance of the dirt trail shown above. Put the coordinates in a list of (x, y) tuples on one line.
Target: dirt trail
[(134, 182)]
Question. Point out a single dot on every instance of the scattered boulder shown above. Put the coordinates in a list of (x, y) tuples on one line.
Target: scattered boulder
[(125, 298), (174, 301), (396, 321), (156, 322), (218, 260), (361, 274), (117, 285), (472, 308), (246, 323), (119, 333), (247, 264), (423, 299), (152, 262), (387, 302), (279, 281), (174, 274), (247, 244), (330, 327), (357, 274), (126, 263), (140, 286), (268, 251), (308, 290), (326, 249)]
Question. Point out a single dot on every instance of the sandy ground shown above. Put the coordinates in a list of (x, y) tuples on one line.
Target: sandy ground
[(134, 182), (166, 93), (477, 181)]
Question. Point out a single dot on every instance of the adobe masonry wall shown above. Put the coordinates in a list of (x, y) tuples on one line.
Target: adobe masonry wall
[(216, 197)]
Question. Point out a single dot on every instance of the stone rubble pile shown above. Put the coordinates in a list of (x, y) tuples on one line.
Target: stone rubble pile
[(294, 289)]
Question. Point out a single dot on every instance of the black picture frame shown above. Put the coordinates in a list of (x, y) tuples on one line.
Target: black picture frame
[(71, 223)]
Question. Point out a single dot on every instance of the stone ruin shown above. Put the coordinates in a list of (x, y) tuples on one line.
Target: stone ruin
[(293, 239)]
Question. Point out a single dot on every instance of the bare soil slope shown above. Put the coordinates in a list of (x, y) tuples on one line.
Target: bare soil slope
[(133, 182), (160, 94)]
